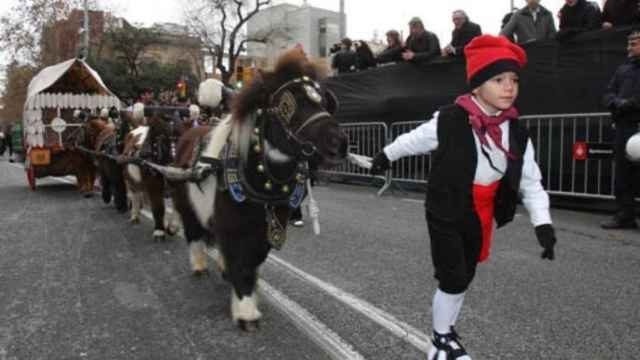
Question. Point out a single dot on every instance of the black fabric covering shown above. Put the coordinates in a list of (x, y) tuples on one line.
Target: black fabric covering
[(568, 77)]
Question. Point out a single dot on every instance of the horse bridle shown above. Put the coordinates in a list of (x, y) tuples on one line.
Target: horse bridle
[(312, 89)]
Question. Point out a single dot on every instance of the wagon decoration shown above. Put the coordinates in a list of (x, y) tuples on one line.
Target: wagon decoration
[(50, 127)]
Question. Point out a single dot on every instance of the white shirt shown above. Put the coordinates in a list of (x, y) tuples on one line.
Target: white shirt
[(424, 139)]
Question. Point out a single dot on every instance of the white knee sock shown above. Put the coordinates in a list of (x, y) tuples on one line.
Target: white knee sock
[(446, 308)]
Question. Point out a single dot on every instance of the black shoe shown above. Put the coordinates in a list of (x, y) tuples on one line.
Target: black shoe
[(618, 222)]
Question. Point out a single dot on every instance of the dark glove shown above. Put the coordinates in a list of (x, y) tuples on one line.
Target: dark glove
[(547, 239), (380, 164)]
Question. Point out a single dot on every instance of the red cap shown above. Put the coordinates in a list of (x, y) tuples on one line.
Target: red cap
[(489, 55)]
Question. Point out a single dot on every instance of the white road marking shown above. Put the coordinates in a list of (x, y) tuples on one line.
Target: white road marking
[(397, 327), (330, 342), (323, 336), (317, 331), (413, 201)]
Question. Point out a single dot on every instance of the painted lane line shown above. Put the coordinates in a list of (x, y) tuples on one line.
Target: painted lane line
[(397, 327), (328, 340), (322, 335), (413, 200)]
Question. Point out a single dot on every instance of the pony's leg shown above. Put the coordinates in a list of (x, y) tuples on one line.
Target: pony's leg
[(157, 208), (171, 221), (243, 257), (244, 297), (106, 188), (136, 204), (119, 191), (198, 258)]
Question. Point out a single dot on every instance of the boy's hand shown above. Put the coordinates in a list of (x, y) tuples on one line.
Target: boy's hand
[(547, 239), (380, 164)]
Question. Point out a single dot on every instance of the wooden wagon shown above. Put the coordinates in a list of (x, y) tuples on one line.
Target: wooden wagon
[(50, 127)]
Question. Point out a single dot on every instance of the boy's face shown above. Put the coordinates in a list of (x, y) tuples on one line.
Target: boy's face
[(499, 92)]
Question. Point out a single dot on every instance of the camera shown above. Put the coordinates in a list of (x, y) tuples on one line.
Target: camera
[(335, 48)]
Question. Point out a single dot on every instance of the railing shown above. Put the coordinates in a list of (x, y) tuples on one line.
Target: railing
[(553, 137)]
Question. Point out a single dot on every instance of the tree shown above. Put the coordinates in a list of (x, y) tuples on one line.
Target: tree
[(22, 27), (129, 43), (17, 80), (220, 26)]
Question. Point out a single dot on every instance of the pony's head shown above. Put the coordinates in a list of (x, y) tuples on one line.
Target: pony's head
[(157, 145), (299, 112)]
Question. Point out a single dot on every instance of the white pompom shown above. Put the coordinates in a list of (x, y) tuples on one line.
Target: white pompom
[(210, 93), (104, 113), (194, 112), (138, 111), (633, 148)]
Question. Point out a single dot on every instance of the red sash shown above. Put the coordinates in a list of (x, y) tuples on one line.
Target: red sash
[(483, 200)]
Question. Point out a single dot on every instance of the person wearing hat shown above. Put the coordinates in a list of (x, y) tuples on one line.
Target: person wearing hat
[(421, 46), (344, 61), (482, 162), (622, 98)]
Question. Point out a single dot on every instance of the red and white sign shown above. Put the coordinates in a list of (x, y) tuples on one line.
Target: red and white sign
[(580, 150)]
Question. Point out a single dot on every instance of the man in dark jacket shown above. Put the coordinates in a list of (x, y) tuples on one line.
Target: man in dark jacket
[(344, 61), (464, 31), (421, 46), (577, 16), (620, 13), (623, 99), (531, 23)]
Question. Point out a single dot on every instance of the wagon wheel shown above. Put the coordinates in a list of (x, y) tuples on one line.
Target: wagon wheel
[(31, 177)]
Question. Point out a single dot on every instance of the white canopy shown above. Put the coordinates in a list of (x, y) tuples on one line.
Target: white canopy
[(91, 92)]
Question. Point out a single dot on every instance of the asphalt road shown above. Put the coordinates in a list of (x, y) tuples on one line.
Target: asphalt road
[(77, 281)]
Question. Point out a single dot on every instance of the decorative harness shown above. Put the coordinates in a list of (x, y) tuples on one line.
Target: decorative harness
[(244, 165)]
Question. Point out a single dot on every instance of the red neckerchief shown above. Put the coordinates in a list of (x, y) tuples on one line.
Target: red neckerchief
[(484, 125)]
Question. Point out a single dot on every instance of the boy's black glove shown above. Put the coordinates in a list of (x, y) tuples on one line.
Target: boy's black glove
[(380, 164), (547, 239)]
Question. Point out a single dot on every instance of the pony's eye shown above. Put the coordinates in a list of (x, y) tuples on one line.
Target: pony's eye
[(313, 94)]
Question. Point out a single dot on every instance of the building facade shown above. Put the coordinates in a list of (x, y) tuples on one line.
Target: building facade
[(285, 26)]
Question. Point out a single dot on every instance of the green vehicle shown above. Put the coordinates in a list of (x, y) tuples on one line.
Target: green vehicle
[(16, 142)]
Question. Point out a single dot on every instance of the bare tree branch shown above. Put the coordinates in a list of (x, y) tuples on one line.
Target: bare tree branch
[(220, 25)]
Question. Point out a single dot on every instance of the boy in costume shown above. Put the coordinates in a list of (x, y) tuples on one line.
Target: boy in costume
[(482, 162)]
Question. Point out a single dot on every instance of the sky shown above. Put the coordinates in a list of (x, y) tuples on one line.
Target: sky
[(364, 17)]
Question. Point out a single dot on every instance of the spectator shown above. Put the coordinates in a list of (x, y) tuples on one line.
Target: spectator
[(464, 31), (620, 13), (622, 99), (393, 52), (505, 21), (577, 16), (344, 61), (3, 143), (364, 56), (421, 45), (531, 23)]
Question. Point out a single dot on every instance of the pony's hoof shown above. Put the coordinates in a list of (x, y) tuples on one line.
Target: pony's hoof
[(88, 195), (159, 235), (135, 220), (201, 274), (249, 326)]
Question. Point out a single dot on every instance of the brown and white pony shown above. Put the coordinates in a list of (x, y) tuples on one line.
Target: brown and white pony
[(101, 138), (279, 122), (152, 142)]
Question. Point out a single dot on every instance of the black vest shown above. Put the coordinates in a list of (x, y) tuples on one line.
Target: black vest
[(453, 168)]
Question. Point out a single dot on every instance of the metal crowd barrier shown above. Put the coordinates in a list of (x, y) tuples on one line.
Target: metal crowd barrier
[(553, 137)]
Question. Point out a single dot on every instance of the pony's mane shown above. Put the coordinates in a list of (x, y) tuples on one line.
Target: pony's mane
[(292, 64)]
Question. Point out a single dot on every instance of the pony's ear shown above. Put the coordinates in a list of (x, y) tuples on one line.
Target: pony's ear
[(330, 102)]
